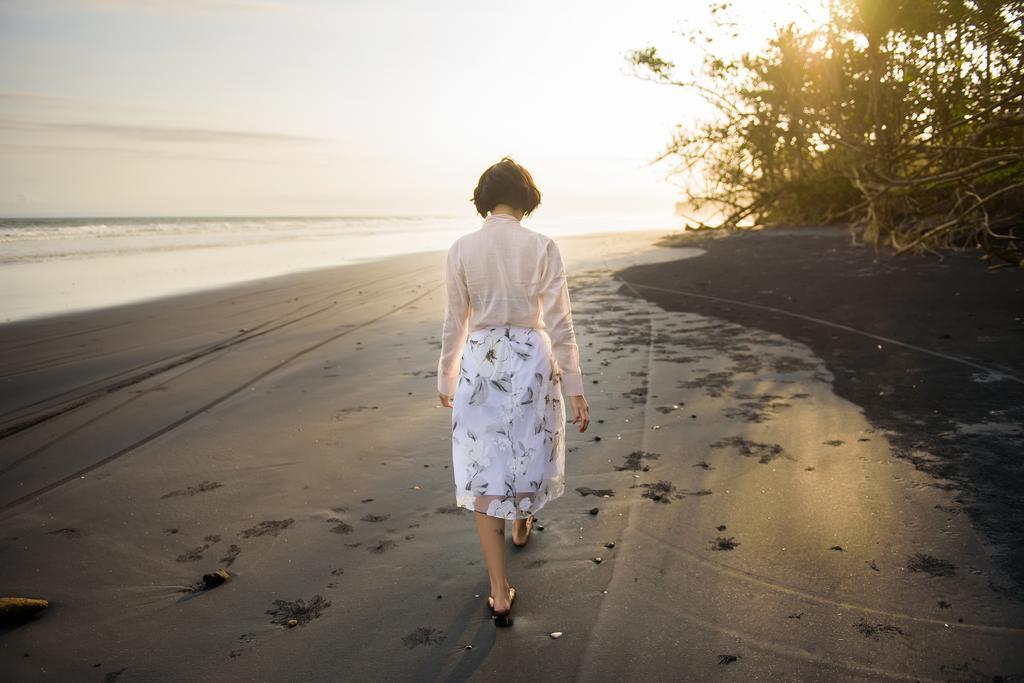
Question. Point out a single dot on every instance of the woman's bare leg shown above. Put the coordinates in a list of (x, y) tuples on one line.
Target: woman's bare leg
[(492, 540), (519, 529)]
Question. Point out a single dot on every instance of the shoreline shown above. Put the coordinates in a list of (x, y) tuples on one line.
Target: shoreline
[(55, 266), (151, 262)]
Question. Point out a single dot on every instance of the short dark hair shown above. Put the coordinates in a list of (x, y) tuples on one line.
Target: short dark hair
[(506, 182)]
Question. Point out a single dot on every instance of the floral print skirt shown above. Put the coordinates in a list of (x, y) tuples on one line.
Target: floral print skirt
[(508, 423)]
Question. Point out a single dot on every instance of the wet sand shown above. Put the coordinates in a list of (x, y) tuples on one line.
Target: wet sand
[(753, 518)]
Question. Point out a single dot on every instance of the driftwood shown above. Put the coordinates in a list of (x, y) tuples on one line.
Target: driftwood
[(18, 610)]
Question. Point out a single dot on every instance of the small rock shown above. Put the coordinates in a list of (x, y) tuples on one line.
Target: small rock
[(216, 578), (468, 647), (556, 634), (609, 544), (597, 560), (293, 622), (594, 511)]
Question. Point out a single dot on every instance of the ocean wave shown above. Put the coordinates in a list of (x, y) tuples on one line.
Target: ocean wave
[(34, 229)]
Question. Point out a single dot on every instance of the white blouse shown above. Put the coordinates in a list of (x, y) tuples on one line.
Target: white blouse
[(507, 274)]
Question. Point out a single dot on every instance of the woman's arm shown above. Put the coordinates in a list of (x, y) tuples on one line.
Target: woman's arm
[(557, 312), (456, 324)]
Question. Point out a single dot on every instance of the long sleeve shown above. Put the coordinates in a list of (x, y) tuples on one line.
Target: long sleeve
[(456, 324), (557, 312)]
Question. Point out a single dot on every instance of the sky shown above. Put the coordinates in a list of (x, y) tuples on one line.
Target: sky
[(350, 107)]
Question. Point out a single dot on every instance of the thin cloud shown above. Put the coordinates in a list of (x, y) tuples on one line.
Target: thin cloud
[(26, 96), (39, 101), (159, 133), (152, 153), (190, 6)]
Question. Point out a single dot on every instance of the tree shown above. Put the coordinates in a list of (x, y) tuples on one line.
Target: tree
[(901, 118)]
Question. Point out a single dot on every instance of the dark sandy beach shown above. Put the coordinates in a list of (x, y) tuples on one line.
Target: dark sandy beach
[(931, 349), (776, 497)]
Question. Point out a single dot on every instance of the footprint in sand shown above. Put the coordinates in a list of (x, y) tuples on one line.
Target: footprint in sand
[(340, 526), (201, 487), (244, 639), (875, 631), (270, 527), (921, 562), (298, 612), (764, 452), (637, 395), (714, 384), (233, 552), (755, 408), (354, 409), (600, 493), (661, 491), (424, 635), (196, 554), (634, 461), (368, 517), (69, 532), (722, 543)]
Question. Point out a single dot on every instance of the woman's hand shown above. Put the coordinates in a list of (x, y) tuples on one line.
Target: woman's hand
[(581, 411), (446, 401)]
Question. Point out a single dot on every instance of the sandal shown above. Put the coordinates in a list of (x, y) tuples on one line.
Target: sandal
[(503, 618), (529, 525)]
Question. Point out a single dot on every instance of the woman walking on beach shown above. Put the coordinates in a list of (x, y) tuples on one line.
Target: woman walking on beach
[(508, 348)]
